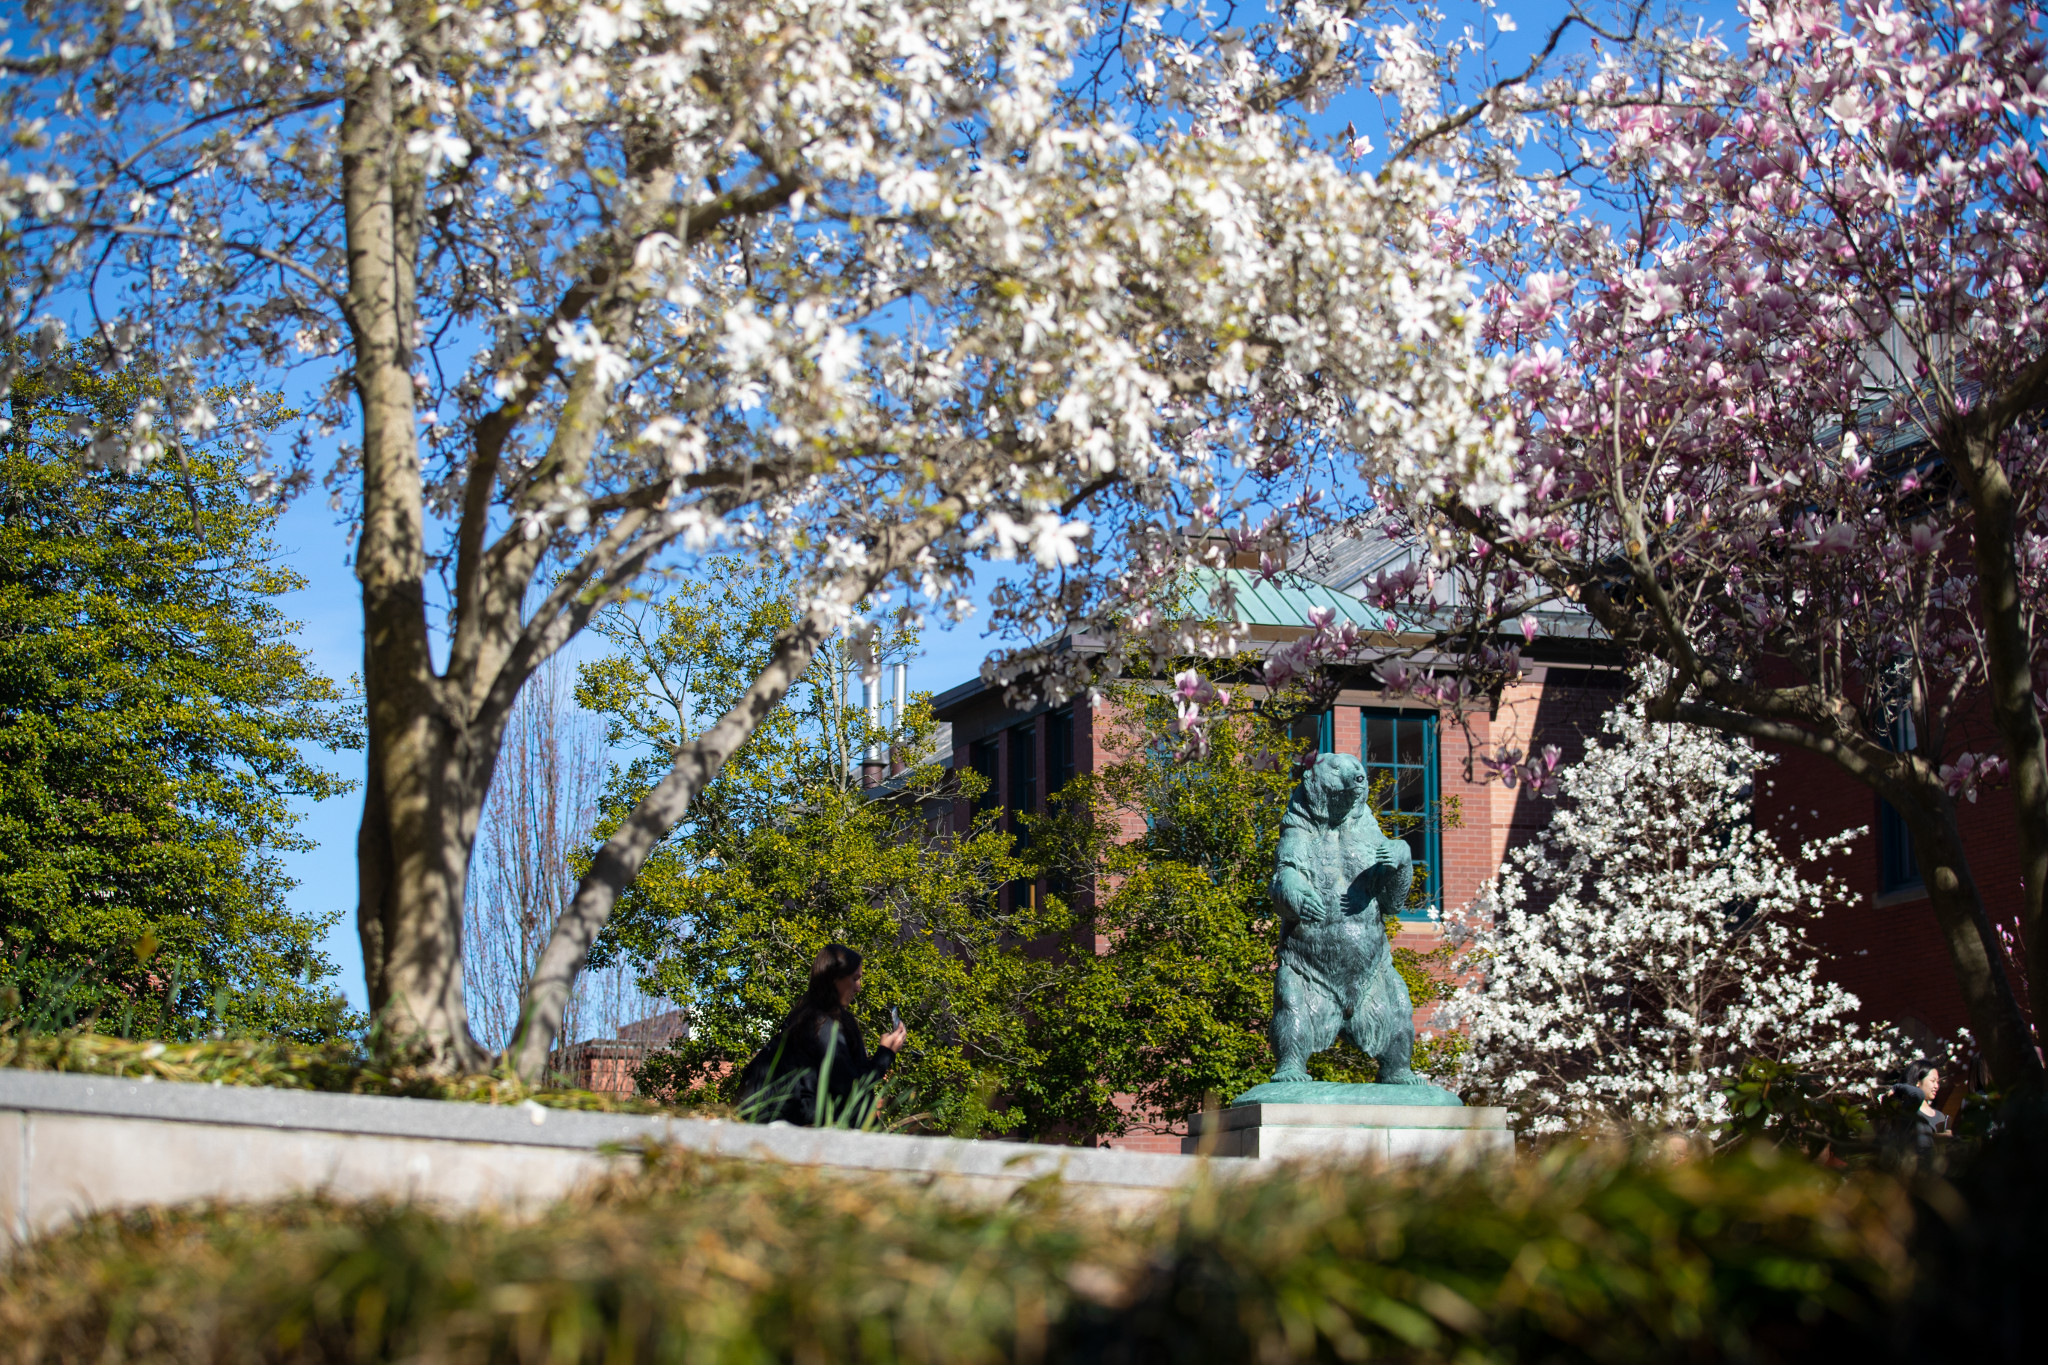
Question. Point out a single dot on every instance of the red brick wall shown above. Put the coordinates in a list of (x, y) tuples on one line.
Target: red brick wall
[(1888, 950), (604, 1065), (1168, 1143)]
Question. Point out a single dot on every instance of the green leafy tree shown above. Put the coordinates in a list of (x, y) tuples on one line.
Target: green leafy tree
[(785, 852), (153, 717), (1028, 1015), (1171, 1010)]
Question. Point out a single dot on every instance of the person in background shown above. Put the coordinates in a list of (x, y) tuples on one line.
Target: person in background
[(1913, 1097), (820, 1051)]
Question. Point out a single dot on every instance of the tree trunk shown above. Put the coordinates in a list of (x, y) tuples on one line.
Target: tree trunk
[(419, 823), (1996, 1020), (420, 811), (2009, 667)]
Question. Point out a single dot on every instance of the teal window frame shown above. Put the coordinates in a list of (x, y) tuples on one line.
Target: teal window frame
[(1427, 838), (1320, 726)]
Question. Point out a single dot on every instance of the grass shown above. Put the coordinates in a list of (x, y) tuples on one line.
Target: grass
[(1585, 1255)]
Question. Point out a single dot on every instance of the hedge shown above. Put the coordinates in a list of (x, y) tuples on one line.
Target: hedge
[(1582, 1255)]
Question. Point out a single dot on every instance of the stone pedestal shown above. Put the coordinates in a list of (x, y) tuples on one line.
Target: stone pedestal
[(1362, 1133)]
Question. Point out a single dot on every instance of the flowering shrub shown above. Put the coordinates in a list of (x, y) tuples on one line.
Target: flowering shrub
[(1650, 942)]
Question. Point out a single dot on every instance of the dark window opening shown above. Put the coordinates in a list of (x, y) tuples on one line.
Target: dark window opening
[(1898, 867), (1059, 750), (1061, 764), (1023, 799), (1319, 729), (982, 757), (1023, 773)]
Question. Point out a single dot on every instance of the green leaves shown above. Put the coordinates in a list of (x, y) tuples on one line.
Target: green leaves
[(1127, 982), (152, 713), (1774, 1100), (785, 852)]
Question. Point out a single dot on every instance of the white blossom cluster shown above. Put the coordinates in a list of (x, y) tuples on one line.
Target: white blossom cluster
[(864, 286), (1649, 941)]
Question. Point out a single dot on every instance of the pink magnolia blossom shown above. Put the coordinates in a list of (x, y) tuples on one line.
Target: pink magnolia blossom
[(1963, 777), (1782, 410)]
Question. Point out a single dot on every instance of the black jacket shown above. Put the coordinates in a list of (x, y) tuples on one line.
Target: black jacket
[(1916, 1127), (783, 1080)]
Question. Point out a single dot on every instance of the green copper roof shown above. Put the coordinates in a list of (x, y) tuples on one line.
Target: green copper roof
[(1286, 599)]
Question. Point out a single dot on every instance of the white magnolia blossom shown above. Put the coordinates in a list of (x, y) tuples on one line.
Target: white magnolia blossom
[(1647, 943), (877, 290), (841, 298)]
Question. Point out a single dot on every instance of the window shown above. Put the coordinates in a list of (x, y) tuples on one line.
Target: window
[(1401, 756), (1008, 763), (1023, 772), (1023, 798), (1321, 728), (1059, 749), (1898, 867), (1060, 766), (982, 757)]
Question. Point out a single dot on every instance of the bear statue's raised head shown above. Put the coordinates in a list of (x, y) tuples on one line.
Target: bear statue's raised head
[(1331, 786)]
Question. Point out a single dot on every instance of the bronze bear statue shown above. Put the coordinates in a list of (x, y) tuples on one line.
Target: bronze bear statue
[(1337, 878)]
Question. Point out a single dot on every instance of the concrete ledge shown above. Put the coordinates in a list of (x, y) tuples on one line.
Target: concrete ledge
[(71, 1144), (1351, 1133), (1348, 1116)]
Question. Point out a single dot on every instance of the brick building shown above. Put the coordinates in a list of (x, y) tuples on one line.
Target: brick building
[(1432, 759), (607, 1065), (1886, 946)]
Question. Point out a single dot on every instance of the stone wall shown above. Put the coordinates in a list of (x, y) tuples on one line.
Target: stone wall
[(73, 1144)]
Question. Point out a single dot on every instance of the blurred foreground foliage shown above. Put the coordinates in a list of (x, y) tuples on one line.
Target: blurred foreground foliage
[(340, 1067), (1583, 1255)]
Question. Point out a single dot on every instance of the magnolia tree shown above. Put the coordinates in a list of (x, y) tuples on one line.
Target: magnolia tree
[(874, 289), (1648, 943), (1775, 322)]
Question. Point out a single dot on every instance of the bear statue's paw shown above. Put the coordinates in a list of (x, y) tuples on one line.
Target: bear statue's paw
[(1294, 1073)]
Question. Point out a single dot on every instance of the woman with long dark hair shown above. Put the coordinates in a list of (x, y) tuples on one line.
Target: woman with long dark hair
[(817, 1067)]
